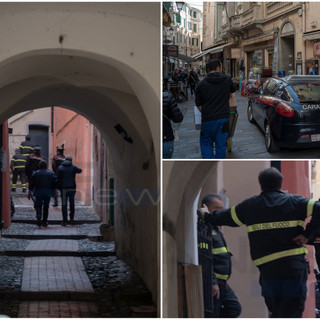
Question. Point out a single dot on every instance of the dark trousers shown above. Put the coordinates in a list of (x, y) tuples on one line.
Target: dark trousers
[(67, 195), (20, 172), (228, 305), (42, 207), (284, 288)]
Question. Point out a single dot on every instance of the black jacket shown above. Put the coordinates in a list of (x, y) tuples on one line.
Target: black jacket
[(57, 161), (221, 257), (18, 161), (67, 175), (26, 148), (273, 219), (170, 112), (212, 94), (32, 164), (43, 182)]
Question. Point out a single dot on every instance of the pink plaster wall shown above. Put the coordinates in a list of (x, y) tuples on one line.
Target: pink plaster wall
[(296, 180), (74, 131)]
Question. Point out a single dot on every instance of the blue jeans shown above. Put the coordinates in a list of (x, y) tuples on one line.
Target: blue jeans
[(42, 207), (214, 133), (167, 151), (67, 194)]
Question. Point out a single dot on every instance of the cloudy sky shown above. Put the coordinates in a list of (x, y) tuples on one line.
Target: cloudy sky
[(196, 4)]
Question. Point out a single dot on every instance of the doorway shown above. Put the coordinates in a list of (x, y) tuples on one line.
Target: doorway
[(40, 136)]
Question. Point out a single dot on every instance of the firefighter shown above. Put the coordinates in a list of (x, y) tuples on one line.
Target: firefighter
[(18, 166), (275, 226), (26, 147), (57, 161), (226, 304), (33, 161)]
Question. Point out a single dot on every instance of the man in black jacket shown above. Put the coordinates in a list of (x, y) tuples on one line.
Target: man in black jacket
[(67, 185), (42, 184), (212, 100), (170, 112), (226, 304), (57, 161), (275, 226)]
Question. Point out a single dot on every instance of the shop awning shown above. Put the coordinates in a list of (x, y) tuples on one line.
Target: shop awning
[(313, 35), (185, 58), (211, 50), (262, 38)]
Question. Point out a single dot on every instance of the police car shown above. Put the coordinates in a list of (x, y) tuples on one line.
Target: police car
[(288, 111)]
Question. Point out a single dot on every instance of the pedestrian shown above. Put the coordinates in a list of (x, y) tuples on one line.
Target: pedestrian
[(212, 100), (192, 81), (67, 185), (170, 112), (26, 147), (225, 301), (275, 225), (42, 185), (18, 167), (33, 161), (57, 161)]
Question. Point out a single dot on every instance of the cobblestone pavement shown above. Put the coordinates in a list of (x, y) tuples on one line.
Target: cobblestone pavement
[(248, 140), (70, 276)]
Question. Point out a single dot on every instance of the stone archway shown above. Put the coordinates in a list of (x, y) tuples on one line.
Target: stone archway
[(91, 58)]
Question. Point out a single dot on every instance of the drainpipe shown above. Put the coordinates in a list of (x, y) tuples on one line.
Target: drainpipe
[(304, 42), (111, 201)]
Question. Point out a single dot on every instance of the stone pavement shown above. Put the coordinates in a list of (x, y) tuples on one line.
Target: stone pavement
[(59, 272), (247, 142)]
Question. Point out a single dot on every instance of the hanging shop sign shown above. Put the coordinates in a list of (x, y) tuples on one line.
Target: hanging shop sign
[(235, 53), (316, 49)]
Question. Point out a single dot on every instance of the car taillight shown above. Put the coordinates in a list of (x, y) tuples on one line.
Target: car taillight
[(285, 109)]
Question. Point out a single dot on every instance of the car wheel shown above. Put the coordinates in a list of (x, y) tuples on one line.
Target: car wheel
[(250, 114), (269, 140)]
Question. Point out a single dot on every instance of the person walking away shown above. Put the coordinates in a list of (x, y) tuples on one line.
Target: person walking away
[(212, 100), (192, 81), (26, 147), (275, 226), (225, 301), (67, 185), (33, 164), (170, 112), (57, 161), (42, 185), (33, 161), (18, 167)]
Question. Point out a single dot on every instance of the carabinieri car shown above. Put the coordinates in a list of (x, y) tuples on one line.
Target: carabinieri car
[(288, 111)]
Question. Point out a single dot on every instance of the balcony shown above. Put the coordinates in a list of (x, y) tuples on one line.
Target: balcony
[(252, 17)]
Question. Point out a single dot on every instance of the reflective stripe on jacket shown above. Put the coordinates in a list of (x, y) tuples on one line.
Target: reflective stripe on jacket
[(18, 161), (273, 219)]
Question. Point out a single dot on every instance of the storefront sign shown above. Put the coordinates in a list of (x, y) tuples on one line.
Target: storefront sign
[(170, 50), (235, 53), (316, 49)]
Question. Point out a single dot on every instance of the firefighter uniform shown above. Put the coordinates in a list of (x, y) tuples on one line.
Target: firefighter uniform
[(228, 305), (273, 219), (17, 165), (26, 148)]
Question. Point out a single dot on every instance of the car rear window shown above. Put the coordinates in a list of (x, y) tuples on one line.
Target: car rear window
[(309, 91)]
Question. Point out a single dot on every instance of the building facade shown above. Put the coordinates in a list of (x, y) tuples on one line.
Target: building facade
[(280, 35), (184, 33)]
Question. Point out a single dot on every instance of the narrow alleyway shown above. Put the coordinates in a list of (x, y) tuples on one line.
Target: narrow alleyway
[(65, 272)]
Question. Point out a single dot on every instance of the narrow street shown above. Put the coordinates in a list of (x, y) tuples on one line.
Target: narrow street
[(247, 143), (65, 272)]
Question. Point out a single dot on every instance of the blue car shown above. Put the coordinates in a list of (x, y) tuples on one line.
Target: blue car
[(288, 111)]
